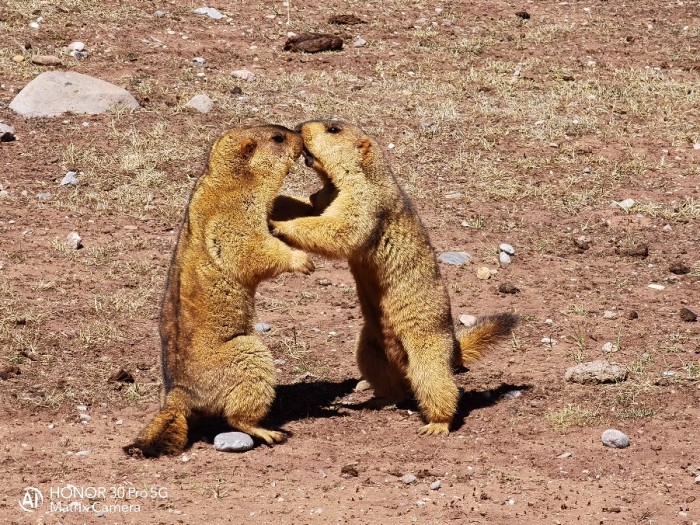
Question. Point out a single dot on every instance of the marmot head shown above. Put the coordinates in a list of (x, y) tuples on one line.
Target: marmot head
[(337, 150), (255, 154)]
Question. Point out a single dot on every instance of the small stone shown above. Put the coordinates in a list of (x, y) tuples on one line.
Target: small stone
[(349, 471), (548, 341), (587, 170), (523, 15), (507, 248), (186, 457), (425, 124), (159, 14), (82, 454), (233, 442), (435, 485), (200, 61), (262, 327), (18, 58), (323, 281), (455, 258), (7, 133), (201, 103), (503, 258), (408, 479), (615, 439), (76, 46), (582, 243), (208, 11), (654, 286), (677, 268), (359, 42), (236, 91), (70, 179), (637, 250), (609, 314), (81, 408), (74, 241), (688, 315), (453, 195), (84, 418), (625, 204), (119, 422), (243, 74), (46, 60), (632, 315), (34, 25), (595, 372), (4, 194), (44, 196), (121, 376), (565, 455), (697, 480), (508, 288), (610, 347), (483, 273), (468, 320), (512, 394), (313, 43), (362, 385)]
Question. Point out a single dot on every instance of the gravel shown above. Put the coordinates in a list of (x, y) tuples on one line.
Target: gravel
[(233, 442), (615, 439)]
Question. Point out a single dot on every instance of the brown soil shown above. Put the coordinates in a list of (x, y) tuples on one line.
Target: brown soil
[(538, 123)]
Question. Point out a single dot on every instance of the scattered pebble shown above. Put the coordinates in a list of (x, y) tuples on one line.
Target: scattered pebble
[(200, 61), (507, 248), (313, 43), (121, 376), (615, 439), (70, 179), (595, 372), (453, 195), (610, 347), (582, 243), (81, 408), (349, 471), (512, 394), (483, 273), (654, 286), (508, 288), (435, 485), (233, 442), (625, 204), (76, 46), (565, 455), (159, 14), (548, 341), (408, 479), (236, 91), (609, 314), (243, 74), (468, 320), (84, 418), (201, 103), (262, 327), (209, 11), (688, 315), (636, 250), (504, 258), (82, 453), (74, 241), (523, 15), (632, 315), (697, 480), (18, 58), (677, 268), (359, 42), (34, 25), (7, 133), (46, 60), (323, 281), (44, 196), (587, 170), (455, 258), (425, 124), (185, 458), (362, 385)]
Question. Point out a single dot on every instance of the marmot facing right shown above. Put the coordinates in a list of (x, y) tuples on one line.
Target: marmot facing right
[(213, 364), (408, 340)]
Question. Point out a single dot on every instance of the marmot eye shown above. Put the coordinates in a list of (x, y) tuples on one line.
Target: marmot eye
[(333, 129), (278, 138)]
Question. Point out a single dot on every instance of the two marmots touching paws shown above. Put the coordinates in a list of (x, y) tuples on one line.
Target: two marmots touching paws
[(214, 365)]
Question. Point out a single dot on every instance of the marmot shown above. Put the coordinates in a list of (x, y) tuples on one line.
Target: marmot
[(408, 341), (213, 365)]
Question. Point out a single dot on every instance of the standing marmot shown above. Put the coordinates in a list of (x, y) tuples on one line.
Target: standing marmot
[(213, 365), (408, 340)]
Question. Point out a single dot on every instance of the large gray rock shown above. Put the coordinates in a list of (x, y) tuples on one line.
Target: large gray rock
[(233, 442), (595, 372), (56, 92)]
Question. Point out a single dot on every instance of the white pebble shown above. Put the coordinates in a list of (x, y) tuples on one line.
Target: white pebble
[(467, 320), (408, 479), (504, 258), (625, 204), (82, 453), (615, 439), (74, 241), (657, 286), (507, 248), (610, 347), (435, 485), (76, 46), (243, 74)]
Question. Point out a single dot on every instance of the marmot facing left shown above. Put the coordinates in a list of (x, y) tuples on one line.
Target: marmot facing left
[(213, 365), (408, 341)]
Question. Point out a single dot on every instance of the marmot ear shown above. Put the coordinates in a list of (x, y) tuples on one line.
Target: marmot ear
[(365, 147), (248, 147)]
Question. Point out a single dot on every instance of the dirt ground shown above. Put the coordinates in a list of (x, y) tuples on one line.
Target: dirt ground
[(502, 128)]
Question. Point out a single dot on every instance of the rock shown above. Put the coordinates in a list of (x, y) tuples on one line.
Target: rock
[(632, 315), (209, 11), (508, 288), (348, 20), (69, 179), (483, 273), (638, 250), (455, 258), (435, 485), (7, 133), (84, 418), (4, 194), (595, 372), (362, 385), (655, 286), (503, 258), (56, 92), (9, 371), (688, 315), (44, 196), (262, 327), (548, 341), (609, 314), (159, 14), (624, 204), (507, 248), (200, 61), (185, 458), (582, 243), (313, 43), (512, 394), (18, 58), (349, 471), (243, 74), (201, 103), (408, 479), (359, 42), (81, 408), (523, 15), (453, 195), (615, 439), (76, 46), (565, 455), (74, 241), (82, 454), (610, 347), (697, 480), (233, 442), (677, 268), (468, 320), (121, 376), (236, 90), (323, 281), (46, 60)]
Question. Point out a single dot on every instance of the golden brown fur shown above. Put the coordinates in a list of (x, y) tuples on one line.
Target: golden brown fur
[(407, 342), (213, 365)]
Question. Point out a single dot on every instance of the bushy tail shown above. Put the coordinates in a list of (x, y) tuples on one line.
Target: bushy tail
[(166, 434), (486, 332)]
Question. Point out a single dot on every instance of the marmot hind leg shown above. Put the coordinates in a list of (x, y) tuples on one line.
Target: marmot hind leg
[(252, 372), (386, 378)]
